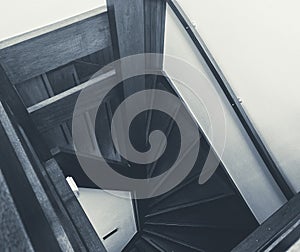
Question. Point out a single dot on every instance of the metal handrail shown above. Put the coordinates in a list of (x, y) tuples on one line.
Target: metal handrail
[(237, 107)]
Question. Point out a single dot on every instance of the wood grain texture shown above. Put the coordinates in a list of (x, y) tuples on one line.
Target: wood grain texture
[(58, 109), (52, 27), (50, 227), (74, 209), (34, 91), (155, 17), (128, 30), (10, 96), (129, 19), (137, 27), (13, 236), (56, 202), (41, 54), (63, 78), (35, 183), (14, 166)]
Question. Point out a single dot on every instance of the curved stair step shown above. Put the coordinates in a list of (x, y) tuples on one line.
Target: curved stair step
[(134, 249), (193, 192), (153, 244), (226, 211), (190, 204), (178, 242), (191, 225), (167, 245), (144, 246), (203, 239)]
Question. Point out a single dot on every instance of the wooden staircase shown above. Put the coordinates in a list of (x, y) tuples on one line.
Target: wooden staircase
[(38, 99)]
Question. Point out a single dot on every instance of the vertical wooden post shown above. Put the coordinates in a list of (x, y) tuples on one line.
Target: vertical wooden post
[(137, 26), (155, 19)]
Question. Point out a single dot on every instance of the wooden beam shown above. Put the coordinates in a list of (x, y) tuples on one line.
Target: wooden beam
[(16, 168), (41, 54), (74, 209), (59, 108), (47, 206), (137, 26), (133, 31), (127, 26), (155, 19), (13, 236), (51, 27), (273, 232)]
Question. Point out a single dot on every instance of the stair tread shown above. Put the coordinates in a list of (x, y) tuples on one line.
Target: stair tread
[(142, 245), (203, 239), (194, 192), (179, 242), (225, 212), (153, 244), (167, 245)]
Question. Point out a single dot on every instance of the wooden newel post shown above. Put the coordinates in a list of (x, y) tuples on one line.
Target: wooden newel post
[(137, 26)]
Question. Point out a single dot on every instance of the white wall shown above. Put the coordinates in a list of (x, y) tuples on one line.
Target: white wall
[(257, 45), (107, 211), (21, 16), (240, 158)]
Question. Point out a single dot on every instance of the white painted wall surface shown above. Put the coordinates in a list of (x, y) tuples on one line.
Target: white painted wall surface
[(108, 211), (21, 16), (257, 45), (241, 160)]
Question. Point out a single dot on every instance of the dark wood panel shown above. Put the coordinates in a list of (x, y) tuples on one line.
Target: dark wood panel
[(155, 16), (41, 54), (53, 196), (74, 209), (60, 80), (32, 177), (100, 58), (13, 166), (129, 19), (58, 109), (85, 70), (137, 27), (51, 218), (128, 32), (32, 91), (63, 78), (9, 95), (13, 236)]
